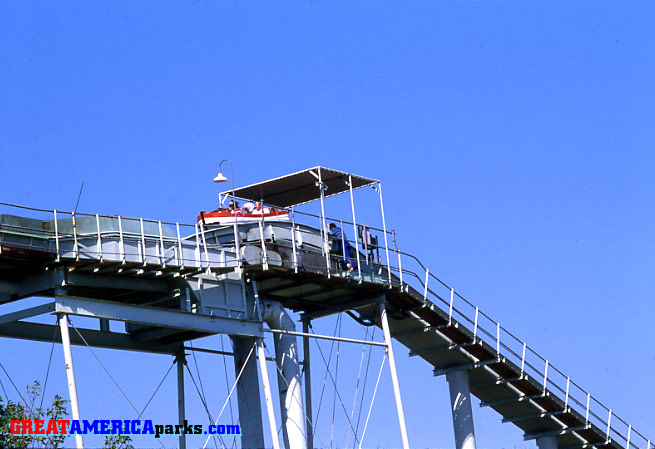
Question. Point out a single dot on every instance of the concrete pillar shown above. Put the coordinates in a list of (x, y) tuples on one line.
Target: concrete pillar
[(547, 442), (250, 411), (460, 401)]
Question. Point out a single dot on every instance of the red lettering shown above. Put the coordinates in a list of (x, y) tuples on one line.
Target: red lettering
[(38, 427), (27, 426), (15, 427), (62, 425), (52, 427)]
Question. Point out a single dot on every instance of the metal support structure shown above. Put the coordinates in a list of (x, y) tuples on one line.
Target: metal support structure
[(384, 229), (293, 241), (352, 206), (308, 384), (547, 442), (394, 376), (180, 360), (261, 355), (70, 374), (250, 410), (460, 400), (326, 241), (289, 376)]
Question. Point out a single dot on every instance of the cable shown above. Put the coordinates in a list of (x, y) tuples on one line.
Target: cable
[(335, 386), (384, 358), (157, 389), (47, 373), (204, 403), (320, 401), (108, 373), (361, 402), (359, 376), (231, 391)]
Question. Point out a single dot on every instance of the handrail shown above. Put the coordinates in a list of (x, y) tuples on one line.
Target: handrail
[(460, 310)]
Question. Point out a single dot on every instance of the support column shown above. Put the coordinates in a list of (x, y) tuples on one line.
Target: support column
[(261, 355), (180, 361), (460, 401), (70, 374), (308, 386), (549, 442), (250, 410), (394, 375)]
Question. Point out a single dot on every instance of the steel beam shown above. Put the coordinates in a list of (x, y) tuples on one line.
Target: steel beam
[(248, 398), (180, 361), (156, 317), (394, 376), (26, 313), (70, 374), (549, 442), (98, 339)]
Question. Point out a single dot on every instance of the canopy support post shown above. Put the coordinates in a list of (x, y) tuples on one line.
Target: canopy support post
[(384, 228)]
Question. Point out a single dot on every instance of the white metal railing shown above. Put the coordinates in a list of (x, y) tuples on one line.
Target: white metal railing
[(387, 268)]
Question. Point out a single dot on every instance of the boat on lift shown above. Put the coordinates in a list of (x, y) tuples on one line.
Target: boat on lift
[(222, 217)]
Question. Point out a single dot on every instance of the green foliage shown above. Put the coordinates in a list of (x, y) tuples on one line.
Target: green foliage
[(118, 442), (10, 411)]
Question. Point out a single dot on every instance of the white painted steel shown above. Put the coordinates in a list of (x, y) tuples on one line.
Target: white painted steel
[(460, 401), (352, 206), (248, 399), (394, 376), (261, 355), (70, 375), (384, 228), (289, 377)]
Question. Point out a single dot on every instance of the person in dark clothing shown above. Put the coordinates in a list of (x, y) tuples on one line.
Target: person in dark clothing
[(339, 239)]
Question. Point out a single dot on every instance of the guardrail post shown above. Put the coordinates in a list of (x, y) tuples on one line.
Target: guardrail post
[(498, 339), (77, 248), (57, 236), (609, 420), (293, 241), (99, 243), (475, 325), (180, 261), (545, 375), (143, 243), (523, 359), (586, 416), (121, 242), (162, 262), (264, 253), (197, 254), (427, 278), (450, 309), (566, 399)]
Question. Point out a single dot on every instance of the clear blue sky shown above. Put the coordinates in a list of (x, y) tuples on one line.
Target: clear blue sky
[(514, 141)]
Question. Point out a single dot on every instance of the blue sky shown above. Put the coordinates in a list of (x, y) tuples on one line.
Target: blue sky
[(514, 141)]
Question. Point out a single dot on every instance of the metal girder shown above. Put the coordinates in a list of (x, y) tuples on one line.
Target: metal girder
[(126, 283), (341, 308), (111, 340), (516, 419), (589, 445), (553, 433), (440, 349), (497, 381), (467, 366), (511, 400), (27, 313), (156, 317)]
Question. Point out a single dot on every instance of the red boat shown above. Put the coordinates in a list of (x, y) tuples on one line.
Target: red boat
[(225, 217)]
